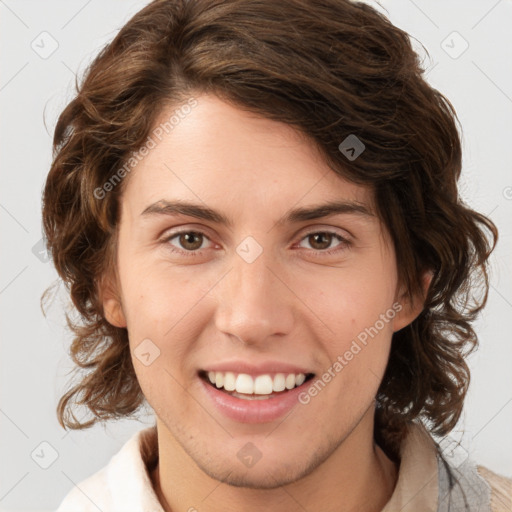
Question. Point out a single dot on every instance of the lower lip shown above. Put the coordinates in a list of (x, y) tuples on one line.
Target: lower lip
[(253, 411)]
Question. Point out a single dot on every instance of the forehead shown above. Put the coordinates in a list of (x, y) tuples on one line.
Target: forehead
[(222, 155)]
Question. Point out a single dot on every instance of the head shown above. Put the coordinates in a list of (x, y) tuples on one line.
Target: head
[(222, 105)]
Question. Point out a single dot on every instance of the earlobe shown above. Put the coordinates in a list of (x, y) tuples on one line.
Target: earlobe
[(112, 306), (113, 311), (410, 310)]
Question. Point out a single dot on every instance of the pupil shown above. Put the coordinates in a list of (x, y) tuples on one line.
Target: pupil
[(185, 240), (319, 236)]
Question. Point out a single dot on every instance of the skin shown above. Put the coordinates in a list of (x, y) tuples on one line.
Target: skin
[(295, 303)]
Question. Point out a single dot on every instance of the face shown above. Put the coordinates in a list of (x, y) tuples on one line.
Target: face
[(249, 289)]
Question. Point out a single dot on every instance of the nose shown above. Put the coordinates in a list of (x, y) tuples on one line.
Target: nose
[(255, 303)]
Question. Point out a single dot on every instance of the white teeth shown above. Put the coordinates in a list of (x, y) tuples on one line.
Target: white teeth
[(244, 384), (263, 385), (230, 381), (279, 382), (260, 385), (290, 381)]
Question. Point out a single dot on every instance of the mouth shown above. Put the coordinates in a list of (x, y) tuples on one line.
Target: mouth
[(255, 387)]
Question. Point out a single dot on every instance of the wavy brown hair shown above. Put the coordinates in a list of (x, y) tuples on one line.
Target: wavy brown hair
[(329, 68)]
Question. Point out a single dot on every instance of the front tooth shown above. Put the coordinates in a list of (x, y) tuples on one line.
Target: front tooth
[(219, 379), (229, 381), (244, 384), (290, 381), (263, 385), (300, 379), (279, 382)]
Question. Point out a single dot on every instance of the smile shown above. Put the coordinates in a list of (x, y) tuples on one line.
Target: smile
[(257, 387)]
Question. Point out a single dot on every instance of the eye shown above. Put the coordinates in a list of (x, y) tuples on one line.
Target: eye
[(190, 241), (320, 241)]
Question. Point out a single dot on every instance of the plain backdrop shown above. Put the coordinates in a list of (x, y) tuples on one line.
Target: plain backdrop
[(43, 45)]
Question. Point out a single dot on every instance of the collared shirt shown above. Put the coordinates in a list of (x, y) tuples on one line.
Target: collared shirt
[(427, 480)]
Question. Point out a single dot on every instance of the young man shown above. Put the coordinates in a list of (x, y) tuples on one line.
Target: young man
[(265, 247)]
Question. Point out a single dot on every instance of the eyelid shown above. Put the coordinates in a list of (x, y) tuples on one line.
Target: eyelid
[(186, 228), (310, 229), (343, 233)]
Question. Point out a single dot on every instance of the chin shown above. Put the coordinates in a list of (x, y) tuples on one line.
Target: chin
[(257, 478)]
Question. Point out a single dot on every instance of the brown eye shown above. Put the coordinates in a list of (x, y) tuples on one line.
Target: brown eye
[(189, 243), (320, 241), (191, 240)]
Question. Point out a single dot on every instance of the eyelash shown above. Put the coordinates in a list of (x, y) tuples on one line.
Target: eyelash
[(344, 243)]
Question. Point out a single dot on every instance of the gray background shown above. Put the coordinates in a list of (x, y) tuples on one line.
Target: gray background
[(35, 87)]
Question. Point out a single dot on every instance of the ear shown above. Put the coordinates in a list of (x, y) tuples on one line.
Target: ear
[(410, 310), (111, 301)]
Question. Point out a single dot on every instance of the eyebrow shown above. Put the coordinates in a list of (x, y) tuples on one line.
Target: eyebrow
[(295, 215)]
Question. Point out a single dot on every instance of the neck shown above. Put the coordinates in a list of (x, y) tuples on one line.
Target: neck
[(357, 476)]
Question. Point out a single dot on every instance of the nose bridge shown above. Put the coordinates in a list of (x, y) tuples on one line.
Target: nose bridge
[(253, 302)]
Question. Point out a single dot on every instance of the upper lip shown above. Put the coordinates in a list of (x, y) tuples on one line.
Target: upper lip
[(263, 367)]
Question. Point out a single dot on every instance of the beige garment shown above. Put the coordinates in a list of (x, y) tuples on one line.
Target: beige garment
[(417, 488), (501, 490)]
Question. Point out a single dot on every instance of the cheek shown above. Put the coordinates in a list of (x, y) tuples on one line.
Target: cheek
[(166, 314), (352, 301), (154, 293), (163, 306), (357, 306)]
